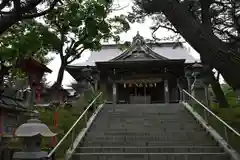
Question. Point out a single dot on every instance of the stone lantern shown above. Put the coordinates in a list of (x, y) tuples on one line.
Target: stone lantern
[(189, 77), (32, 133), (198, 86), (87, 74)]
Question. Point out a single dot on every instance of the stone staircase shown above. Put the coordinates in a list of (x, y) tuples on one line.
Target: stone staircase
[(147, 132)]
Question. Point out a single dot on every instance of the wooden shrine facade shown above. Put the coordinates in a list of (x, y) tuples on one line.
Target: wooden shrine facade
[(149, 81), (138, 75)]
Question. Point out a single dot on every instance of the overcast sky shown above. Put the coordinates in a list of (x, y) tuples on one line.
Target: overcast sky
[(142, 28)]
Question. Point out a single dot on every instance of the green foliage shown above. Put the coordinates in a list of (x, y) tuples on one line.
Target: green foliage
[(68, 30), (83, 24), (80, 25), (66, 119), (22, 40)]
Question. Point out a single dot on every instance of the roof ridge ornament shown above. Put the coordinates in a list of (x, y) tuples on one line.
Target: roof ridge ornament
[(138, 39)]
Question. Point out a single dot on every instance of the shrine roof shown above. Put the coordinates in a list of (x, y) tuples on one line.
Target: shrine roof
[(139, 50), (31, 65), (9, 102), (149, 63)]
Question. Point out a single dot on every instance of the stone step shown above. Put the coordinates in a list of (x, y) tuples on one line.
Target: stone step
[(143, 139), (157, 132), (138, 128), (150, 143), (147, 135), (144, 131), (150, 156), (132, 120), (163, 149), (144, 113), (149, 132)]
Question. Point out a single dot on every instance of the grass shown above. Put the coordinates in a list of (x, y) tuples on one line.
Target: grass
[(232, 117)]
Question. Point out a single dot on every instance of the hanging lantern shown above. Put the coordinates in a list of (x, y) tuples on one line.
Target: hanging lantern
[(151, 85), (146, 85), (155, 84), (124, 85), (140, 85)]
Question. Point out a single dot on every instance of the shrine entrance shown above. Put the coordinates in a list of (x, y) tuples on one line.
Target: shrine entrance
[(141, 93), (130, 82)]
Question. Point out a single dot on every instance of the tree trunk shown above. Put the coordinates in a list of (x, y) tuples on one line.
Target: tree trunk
[(216, 87), (60, 76), (6, 21), (211, 49)]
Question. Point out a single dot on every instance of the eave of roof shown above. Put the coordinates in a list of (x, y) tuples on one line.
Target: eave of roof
[(142, 61)]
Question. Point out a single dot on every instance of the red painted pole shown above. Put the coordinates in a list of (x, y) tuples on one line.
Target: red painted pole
[(38, 94), (55, 122)]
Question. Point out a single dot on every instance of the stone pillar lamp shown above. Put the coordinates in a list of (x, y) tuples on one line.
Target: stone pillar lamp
[(32, 133)]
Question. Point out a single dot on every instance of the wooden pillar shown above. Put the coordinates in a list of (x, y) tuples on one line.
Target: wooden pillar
[(114, 93), (166, 91), (207, 95), (145, 96)]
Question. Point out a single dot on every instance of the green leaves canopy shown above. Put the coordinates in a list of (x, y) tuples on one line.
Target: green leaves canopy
[(86, 22), (23, 40)]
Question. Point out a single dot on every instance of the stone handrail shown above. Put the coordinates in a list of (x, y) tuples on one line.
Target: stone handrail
[(213, 114)]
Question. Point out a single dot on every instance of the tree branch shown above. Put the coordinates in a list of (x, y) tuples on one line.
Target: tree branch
[(17, 6), (62, 44), (31, 4), (78, 55), (4, 4), (206, 19), (71, 47), (43, 12), (162, 26)]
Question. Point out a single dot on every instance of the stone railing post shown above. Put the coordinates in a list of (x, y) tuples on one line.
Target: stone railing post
[(198, 88)]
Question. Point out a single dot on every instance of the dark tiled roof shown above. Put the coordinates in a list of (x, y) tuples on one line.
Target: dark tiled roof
[(169, 50), (10, 102)]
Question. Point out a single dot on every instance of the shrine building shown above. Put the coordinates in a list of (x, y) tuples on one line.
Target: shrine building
[(142, 73)]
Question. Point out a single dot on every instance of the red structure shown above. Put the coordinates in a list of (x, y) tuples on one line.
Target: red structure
[(35, 71)]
